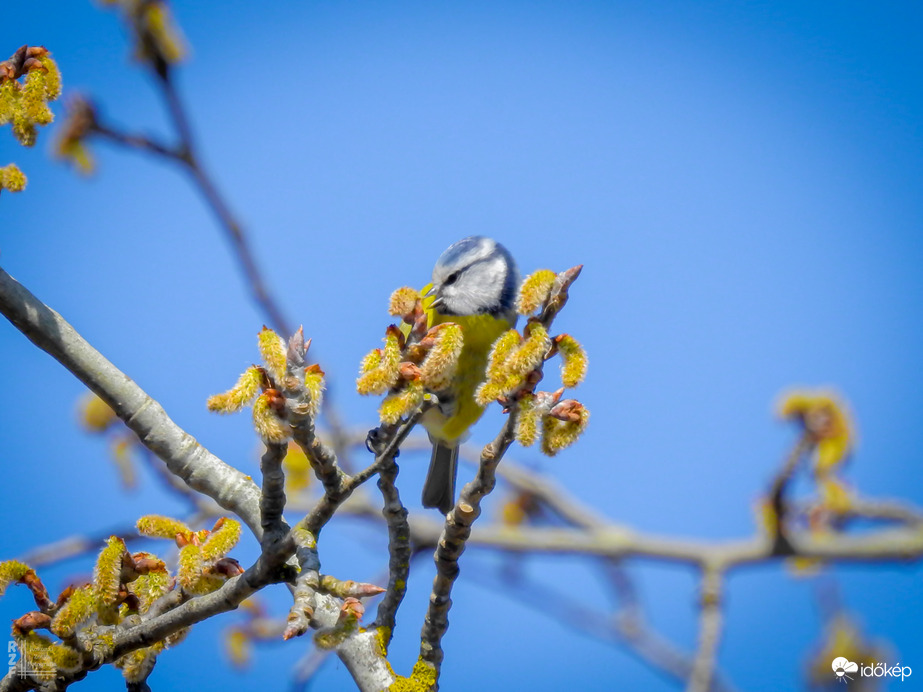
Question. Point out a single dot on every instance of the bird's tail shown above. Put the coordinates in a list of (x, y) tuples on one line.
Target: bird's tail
[(439, 487)]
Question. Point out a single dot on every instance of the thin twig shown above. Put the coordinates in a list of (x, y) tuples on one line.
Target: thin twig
[(136, 141), (328, 504), (75, 546), (222, 210), (777, 492)]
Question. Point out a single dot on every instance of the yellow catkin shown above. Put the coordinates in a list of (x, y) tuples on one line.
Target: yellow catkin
[(824, 415), (531, 353), (95, 415), (9, 100), (441, 363), (527, 425), (403, 302), (189, 567), (272, 348), (497, 378), (371, 361), (241, 394), (33, 99), (509, 366), (149, 587), (573, 360), (534, 291), (157, 526), (11, 572), (108, 572), (77, 152), (298, 474), (401, 404), (65, 658), (221, 540), (512, 513), (267, 422), (138, 664), (52, 78), (383, 376), (80, 607), (237, 646), (12, 179), (160, 33), (557, 434), (314, 383)]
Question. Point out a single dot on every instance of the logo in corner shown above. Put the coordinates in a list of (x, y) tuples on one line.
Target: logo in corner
[(842, 666)]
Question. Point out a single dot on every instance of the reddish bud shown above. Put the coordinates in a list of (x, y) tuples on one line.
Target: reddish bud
[(568, 411), (31, 621)]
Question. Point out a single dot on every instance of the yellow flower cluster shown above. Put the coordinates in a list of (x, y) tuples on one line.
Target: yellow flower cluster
[(25, 104), (202, 565), (543, 416), (412, 362), (511, 360), (264, 386), (123, 584), (12, 179), (535, 290), (824, 417)]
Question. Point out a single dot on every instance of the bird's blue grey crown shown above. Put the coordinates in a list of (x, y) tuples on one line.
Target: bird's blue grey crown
[(476, 275)]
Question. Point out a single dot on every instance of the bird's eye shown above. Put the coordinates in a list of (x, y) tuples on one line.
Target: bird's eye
[(452, 278)]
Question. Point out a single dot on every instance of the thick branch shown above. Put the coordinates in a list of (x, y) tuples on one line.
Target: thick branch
[(186, 458)]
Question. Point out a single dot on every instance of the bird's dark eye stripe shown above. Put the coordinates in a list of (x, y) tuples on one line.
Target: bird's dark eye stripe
[(452, 278)]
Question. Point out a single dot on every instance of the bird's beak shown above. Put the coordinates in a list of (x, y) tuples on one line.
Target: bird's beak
[(437, 301)]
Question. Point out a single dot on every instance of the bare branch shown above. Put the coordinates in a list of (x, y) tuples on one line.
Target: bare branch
[(135, 141), (452, 542), (399, 549), (780, 485), (183, 455), (272, 497)]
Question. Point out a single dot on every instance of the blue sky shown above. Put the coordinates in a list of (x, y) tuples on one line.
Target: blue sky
[(741, 182)]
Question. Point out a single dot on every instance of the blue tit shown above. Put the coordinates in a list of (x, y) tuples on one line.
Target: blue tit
[(474, 285)]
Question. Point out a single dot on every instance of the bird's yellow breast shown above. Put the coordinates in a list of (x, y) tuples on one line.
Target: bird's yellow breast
[(480, 332)]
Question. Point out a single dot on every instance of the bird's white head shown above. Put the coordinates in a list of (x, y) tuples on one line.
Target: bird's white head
[(476, 275)]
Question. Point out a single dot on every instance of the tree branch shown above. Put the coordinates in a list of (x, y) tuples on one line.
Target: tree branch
[(272, 497), (451, 543), (710, 623), (399, 550), (186, 458)]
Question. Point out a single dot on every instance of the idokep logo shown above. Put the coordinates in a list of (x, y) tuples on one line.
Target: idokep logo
[(842, 667)]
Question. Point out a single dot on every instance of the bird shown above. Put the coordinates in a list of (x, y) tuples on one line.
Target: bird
[(474, 284)]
